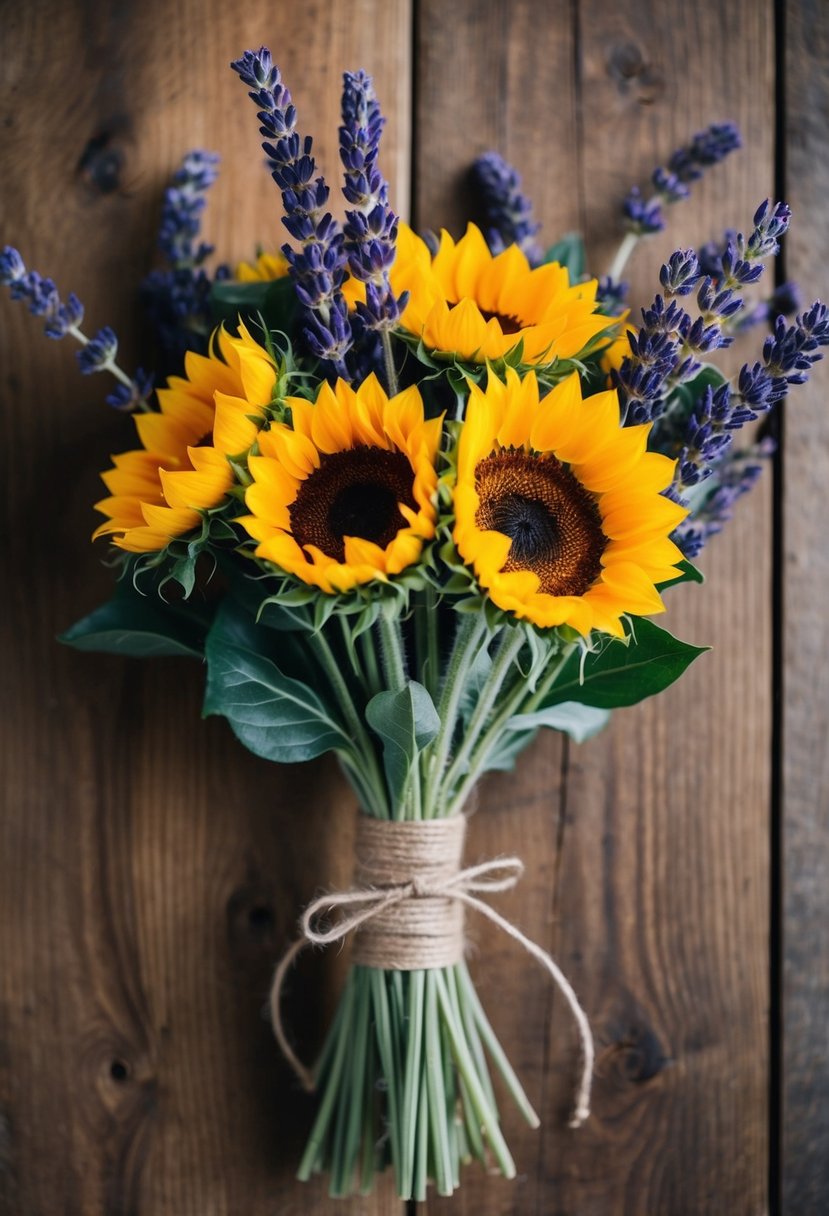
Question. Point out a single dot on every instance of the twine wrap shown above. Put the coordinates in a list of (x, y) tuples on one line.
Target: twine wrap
[(407, 911), (424, 930)]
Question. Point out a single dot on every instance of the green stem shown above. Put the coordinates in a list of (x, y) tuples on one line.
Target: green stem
[(365, 642), (386, 1050), (497, 1054), (411, 1082), (626, 248), (466, 1068), (359, 734), (468, 636), (507, 653), (435, 1089), (391, 650), (488, 740), (332, 1084), (388, 360)]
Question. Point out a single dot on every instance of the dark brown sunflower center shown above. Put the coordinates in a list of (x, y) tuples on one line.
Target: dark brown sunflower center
[(553, 522), (353, 493), (508, 323)]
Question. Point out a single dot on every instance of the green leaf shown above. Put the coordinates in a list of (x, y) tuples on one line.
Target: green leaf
[(275, 716), (686, 573), (580, 722), (506, 751), (623, 673), (143, 626), (274, 299), (406, 722), (569, 252)]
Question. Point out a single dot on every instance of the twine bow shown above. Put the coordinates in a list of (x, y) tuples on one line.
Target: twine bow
[(362, 905)]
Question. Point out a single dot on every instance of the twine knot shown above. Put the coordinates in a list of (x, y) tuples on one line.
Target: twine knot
[(407, 912)]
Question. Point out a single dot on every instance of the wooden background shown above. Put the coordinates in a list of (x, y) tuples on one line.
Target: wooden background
[(152, 870)]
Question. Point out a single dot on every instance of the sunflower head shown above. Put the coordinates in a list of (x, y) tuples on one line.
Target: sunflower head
[(477, 307), (559, 510), (345, 495), (158, 492)]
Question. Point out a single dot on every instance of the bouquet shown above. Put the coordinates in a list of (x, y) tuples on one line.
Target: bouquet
[(414, 500)]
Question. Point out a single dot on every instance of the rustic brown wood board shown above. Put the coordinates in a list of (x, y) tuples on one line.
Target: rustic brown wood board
[(152, 869)]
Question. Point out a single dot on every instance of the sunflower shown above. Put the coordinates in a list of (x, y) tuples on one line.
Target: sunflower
[(158, 491), (476, 306), (347, 494), (559, 510), (267, 266)]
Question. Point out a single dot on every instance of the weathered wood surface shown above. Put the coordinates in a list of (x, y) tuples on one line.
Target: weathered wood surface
[(804, 827), (152, 869)]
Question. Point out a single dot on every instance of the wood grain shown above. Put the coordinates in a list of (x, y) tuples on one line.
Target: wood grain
[(805, 587), (648, 856), (152, 869)]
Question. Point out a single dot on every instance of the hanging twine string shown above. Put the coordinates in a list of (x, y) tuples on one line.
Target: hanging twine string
[(406, 909)]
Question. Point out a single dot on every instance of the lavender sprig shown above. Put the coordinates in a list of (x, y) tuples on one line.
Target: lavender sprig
[(370, 228), (643, 215), (789, 353), (319, 267), (177, 299), (665, 352), (508, 212), (784, 301), (98, 354), (734, 476)]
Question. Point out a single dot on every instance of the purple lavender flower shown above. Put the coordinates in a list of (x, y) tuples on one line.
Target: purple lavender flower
[(370, 228), (707, 148), (319, 268), (643, 215), (612, 295), (99, 353), (177, 299), (789, 353), (64, 319), (507, 212), (666, 350), (133, 396), (734, 476)]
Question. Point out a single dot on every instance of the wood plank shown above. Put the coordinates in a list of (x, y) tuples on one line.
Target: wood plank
[(805, 588), (658, 908), (152, 870)]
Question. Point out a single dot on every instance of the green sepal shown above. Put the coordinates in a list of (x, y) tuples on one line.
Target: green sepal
[(139, 625), (622, 673)]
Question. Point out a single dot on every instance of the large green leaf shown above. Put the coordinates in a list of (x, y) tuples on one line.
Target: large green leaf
[(142, 626), (578, 721), (623, 673), (274, 715), (406, 722)]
